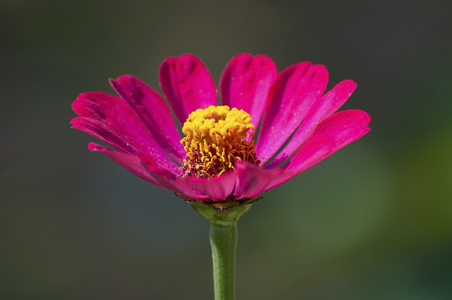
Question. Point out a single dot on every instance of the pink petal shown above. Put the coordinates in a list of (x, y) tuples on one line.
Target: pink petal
[(316, 149), (245, 84), (117, 116), (312, 153), (171, 181), (102, 132), (321, 109), (130, 162), (332, 134), (345, 126), (253, 180), (142, 166), (217, 188), (178, 185), (152, 110), (291, 97), (187, 85)]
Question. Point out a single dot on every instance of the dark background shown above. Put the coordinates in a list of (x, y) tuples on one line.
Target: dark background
[(374, 221)]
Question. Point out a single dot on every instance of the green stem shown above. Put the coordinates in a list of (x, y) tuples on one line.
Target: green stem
[(223, 240), (223, 219)]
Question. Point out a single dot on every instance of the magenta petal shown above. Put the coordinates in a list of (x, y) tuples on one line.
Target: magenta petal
[(116, 115), (312, 153), (217, 188), (245, 84), (178, 185), (321, 109), (102, 132), (332, 134), (172, 181), (253, 180), (153, 112), (130, 162), (187, 85), (316, 149), (291, 97), (345, 126)]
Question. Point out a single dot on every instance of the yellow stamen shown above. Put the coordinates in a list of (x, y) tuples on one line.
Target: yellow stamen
[(214, 138)]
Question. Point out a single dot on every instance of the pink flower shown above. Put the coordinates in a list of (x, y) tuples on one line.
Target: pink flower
[(223, 164)]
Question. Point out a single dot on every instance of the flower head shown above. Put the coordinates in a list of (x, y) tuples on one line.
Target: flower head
[(218, 159)]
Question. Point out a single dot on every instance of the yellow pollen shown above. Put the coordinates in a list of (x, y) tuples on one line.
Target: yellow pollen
[(214, 138)]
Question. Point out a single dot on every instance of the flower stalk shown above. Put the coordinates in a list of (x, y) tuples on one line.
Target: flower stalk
[(223, 240)]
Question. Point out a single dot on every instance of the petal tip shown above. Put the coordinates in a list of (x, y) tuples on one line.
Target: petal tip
[(94, 147)]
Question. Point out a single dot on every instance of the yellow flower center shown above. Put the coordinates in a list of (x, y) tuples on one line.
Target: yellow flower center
[(214, 138)]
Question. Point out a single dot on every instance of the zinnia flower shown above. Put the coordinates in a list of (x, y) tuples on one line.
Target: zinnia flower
[(269, 127)]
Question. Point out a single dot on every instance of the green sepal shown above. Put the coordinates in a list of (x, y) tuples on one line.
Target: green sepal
[(219, 215)]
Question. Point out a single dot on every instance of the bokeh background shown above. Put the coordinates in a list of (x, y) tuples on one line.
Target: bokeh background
[(374, 221)]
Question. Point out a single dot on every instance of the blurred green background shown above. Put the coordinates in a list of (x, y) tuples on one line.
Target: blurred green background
[(374, 221)]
